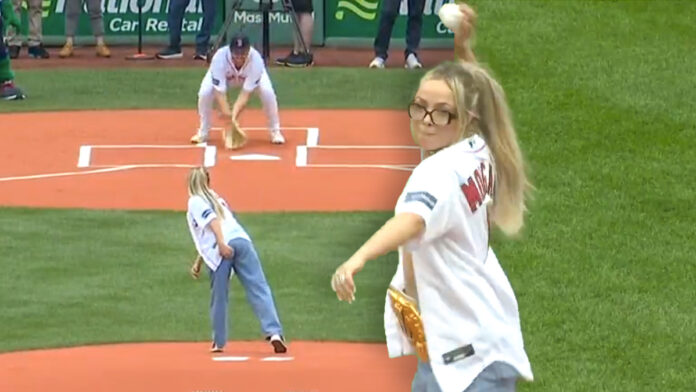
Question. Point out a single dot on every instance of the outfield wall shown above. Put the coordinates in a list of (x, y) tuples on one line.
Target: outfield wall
[(338, 23)]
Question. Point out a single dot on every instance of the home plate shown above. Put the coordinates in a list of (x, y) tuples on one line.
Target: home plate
[(254, 157), (277, 359), (230, 359)]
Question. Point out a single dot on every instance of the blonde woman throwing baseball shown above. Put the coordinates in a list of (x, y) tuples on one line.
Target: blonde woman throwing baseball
[(226, 248), (450, 301)]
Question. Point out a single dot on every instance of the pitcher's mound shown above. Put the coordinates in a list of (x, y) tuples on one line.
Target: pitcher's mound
[(188, 367)]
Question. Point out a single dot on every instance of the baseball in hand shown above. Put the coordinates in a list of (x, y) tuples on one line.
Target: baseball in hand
[(450, 15)]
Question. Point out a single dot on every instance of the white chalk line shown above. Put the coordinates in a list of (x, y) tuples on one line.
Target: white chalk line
[(65, 174), (85, 155), (405, 167), (364, 147), (154, 165), (312, 142), (301, 156), (99, 170), (230, 359), (150, 146), (245, 359), (217, 129)]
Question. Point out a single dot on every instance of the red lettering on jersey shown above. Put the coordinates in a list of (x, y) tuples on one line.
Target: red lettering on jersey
[(472, 195), (477, 186), (481, 180)]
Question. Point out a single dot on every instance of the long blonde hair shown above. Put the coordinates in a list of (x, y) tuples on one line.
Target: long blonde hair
[(482, 109), (199, 185)]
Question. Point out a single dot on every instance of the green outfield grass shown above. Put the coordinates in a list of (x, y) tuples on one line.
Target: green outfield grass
[(602, 94)]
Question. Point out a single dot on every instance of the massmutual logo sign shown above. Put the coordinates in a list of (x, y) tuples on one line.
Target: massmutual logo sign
[(121, 19), (368, 9), (363, 9), (252, 14), (359, 19)]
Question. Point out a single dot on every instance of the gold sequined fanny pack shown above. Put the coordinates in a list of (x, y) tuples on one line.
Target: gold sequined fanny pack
[(409, 318)]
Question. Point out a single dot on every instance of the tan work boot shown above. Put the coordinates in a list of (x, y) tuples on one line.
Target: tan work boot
[(103, 51), (66, 51)]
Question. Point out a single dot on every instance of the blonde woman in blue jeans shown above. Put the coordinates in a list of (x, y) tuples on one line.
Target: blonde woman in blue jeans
[(226, 248)]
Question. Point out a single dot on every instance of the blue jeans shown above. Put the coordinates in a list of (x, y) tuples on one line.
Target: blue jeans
[(247, 267), (175, 20), (387, 17), (496, 377)]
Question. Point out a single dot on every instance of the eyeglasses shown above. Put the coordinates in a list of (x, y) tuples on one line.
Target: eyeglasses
[(437, 116)]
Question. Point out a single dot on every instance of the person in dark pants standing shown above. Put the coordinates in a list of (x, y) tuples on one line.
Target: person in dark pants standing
[(175, 20), (305, 21), (387, 17)]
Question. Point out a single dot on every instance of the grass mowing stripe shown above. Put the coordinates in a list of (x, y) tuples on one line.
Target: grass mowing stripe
[(314, 88)]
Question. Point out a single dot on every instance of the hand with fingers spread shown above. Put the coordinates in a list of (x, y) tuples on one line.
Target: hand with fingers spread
[(342, 280)]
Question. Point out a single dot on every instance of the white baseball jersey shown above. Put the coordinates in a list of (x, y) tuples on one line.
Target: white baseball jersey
[(199, 215), (469, 310), (222, 71)]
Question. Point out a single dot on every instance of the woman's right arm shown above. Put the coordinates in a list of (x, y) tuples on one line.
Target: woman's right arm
[(462, 37), (396, 232), (225, 250)]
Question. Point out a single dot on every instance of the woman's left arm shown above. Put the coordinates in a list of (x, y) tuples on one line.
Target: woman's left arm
[(395, 232)]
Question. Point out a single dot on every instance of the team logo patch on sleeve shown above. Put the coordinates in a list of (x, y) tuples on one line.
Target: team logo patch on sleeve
[(423, 197), (206, 213), (216, 82)]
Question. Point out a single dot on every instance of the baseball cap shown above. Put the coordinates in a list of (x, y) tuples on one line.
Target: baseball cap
[(239, 43)]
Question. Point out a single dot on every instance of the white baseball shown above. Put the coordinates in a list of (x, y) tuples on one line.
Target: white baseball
[(450, 15)]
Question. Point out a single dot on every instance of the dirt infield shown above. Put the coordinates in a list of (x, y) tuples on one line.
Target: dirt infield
[(323, 57), (188, 367)]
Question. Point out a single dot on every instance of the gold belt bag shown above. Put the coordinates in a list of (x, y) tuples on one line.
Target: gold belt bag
[(410, 320)]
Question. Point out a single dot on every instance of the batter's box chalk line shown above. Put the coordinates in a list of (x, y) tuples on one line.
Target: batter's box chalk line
[(312, 142), (85, 155)]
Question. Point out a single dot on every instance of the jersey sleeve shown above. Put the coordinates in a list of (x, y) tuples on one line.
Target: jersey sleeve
[(201, 211), (429, 193), (218, 71), (256, 69)]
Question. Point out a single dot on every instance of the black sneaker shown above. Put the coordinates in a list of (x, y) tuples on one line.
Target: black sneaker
[(284, 60), (299, 60), (14, 51), (170, 53), (278, 343), (38, 52), (200, 56), (215, 349)]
